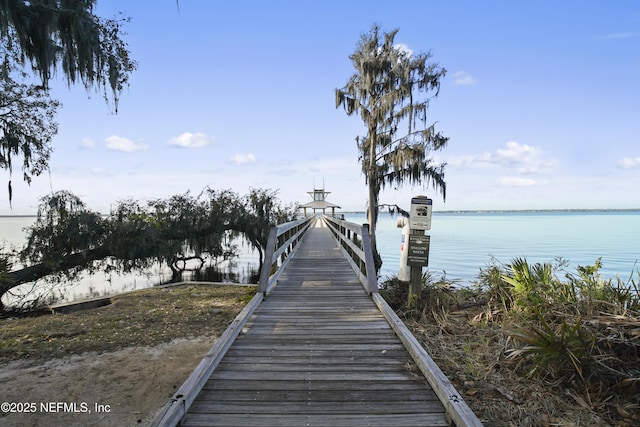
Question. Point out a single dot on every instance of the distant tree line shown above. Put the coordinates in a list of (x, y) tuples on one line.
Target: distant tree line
[(67, 238)]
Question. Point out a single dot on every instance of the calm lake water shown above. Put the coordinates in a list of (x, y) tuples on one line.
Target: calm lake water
[(99, 284), (461, 243)]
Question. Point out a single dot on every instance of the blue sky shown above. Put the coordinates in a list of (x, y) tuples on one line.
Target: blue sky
[(541, 102)]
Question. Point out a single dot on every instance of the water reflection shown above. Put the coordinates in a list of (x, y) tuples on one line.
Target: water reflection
[(241, 269)]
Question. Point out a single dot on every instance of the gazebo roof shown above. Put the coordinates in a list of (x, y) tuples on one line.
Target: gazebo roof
[(319, 204)]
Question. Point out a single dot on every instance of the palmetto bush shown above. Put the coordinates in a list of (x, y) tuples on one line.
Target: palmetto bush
[(580, 327), (573, 334), (562, 349), (537, 285), (598, 295), (436, 293)]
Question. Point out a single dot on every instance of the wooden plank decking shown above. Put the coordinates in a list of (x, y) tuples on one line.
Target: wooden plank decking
[(316, 352)]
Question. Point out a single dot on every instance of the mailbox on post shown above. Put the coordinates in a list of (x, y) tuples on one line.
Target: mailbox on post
[(420, 214)]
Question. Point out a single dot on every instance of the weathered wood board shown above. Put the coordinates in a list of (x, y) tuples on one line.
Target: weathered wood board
[(317, 352)]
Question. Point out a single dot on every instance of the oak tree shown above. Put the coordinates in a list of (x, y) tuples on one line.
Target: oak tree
[(66, 35), (37, 39), (68, 239)]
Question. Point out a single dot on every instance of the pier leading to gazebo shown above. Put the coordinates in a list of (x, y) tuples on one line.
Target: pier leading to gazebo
[(319, 202)]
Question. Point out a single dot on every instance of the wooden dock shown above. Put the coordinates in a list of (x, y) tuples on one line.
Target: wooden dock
[(317, 351)]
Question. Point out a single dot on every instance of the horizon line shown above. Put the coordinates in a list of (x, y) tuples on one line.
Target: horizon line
[(523, 210), (449, 211)]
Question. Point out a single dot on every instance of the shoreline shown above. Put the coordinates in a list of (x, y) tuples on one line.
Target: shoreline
[(469, 211)]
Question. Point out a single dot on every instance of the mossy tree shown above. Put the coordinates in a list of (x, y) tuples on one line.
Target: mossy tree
[(263, 210), (38, 39), (66, 35), (390, 90), (68, 238)]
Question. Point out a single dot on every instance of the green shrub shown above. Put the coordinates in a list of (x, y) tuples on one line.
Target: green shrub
[(583, 325), (562, 349), (436, 293)]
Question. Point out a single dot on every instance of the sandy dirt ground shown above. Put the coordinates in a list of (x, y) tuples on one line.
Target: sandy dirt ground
[(123, 388)]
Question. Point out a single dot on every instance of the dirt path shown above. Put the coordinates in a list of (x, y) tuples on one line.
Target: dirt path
[(122, 388)]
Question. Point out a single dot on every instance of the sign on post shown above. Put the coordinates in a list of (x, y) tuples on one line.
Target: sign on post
[(418, 245), (420, 214), (418, 255)]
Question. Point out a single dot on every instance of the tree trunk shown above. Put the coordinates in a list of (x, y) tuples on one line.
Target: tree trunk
[(260, 257), (372, 217), (176, 273), (372, 214), (37, 271)]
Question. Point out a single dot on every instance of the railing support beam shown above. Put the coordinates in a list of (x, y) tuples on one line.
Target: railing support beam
[(372, 277), (283, 242), (263, 284)]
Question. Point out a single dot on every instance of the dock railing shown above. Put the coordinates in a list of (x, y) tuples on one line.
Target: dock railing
[(355, 242), (283, 243), (281, 246)]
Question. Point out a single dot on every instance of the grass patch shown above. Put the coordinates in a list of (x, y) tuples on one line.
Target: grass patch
[(142, 318)]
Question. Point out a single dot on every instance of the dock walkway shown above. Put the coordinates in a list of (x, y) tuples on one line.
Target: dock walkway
[(317, 352)]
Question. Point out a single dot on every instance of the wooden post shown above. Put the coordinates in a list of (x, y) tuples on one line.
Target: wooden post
[(415, 281), (372, 277), (418, 255), (268, 261)]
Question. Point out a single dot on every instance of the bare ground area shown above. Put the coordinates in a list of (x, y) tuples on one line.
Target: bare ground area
[(121, 388), (115, 365)]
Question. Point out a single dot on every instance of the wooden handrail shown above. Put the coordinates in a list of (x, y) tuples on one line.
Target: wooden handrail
[(355, 242), (283, 242), (455, 406)]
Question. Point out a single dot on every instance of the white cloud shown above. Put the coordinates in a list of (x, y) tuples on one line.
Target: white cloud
[(471, 161), (525, 157), (463, 78), (516, 181), (190, 140), (629, 163), (242, 159), (404, 49), (520, 158), (119, 143)]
